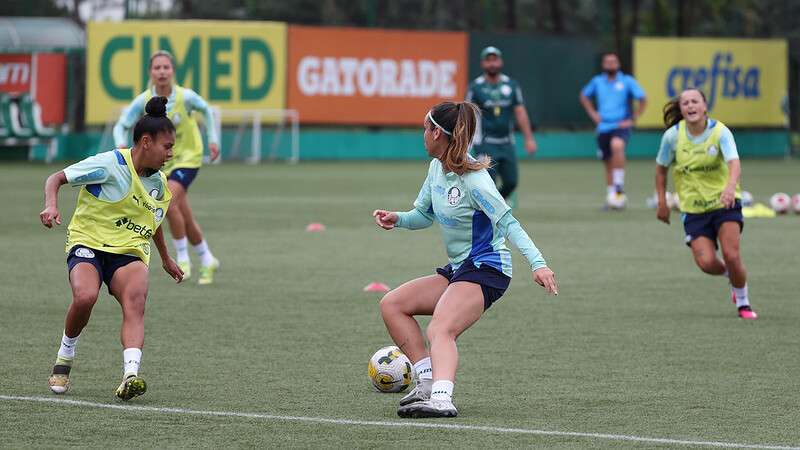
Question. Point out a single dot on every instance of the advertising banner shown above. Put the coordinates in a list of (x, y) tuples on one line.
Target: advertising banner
[(373, 77), (233, 65), (744, 80)]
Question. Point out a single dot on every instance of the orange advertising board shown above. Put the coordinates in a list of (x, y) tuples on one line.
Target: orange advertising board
[(373, 77)]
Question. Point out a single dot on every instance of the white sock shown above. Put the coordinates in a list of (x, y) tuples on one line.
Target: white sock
[(131, 360), (68, 344), (741, 296), (611, 190), (182, 249), (206, 257), (424, 369), (442, 390), (618, 175)]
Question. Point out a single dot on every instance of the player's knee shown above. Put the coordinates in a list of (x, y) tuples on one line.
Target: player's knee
[(731, 257), (84, 298), (705, 263), (390, 304), (134, 301), (439, 330)]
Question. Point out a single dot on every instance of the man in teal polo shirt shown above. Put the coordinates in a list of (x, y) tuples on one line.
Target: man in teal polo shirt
[(500, 100)]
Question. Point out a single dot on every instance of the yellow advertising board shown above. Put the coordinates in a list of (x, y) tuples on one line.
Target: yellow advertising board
[(744, 80), (233, 65)]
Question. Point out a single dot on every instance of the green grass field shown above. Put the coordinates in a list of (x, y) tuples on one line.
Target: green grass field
[(638, 343)]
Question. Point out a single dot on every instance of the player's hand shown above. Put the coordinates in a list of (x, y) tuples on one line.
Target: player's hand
[(627, 123), (530, 146), (214, 150), (545, 278), (50, 215), (662, 211), (385, 219), (728, 197), (595, 117), (171, 267)]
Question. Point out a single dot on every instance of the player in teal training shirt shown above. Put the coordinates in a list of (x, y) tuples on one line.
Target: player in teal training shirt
[(475, 222)]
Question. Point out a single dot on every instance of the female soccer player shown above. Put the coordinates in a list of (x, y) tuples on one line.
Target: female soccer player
[(705, 169), (475, 221), (182, 169), (121, 206)]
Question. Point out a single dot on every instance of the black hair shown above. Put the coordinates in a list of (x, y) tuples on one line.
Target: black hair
[(154, 121), (672, 110)]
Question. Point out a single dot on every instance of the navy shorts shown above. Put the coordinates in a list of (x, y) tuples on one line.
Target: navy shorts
[(707, 224), (604, 141), (183, 176), (493, 282), (105, 263)]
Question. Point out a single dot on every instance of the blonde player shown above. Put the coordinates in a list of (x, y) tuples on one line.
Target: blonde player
[(459, 193), (182, 169)]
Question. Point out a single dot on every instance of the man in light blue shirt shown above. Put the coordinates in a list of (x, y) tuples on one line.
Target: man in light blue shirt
[(613, 92)]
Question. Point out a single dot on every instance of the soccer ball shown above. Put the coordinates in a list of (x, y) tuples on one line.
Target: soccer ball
[(780, 202), (673, 201), (796, 203), (747, 199), (390, 370)]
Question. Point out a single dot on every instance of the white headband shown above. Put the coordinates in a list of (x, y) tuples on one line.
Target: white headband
[(430, 117)]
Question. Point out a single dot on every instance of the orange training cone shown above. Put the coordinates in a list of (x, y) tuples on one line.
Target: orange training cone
[(376, 287), (315, 227)]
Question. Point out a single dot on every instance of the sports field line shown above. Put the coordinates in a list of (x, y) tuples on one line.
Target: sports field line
[(375, 423)]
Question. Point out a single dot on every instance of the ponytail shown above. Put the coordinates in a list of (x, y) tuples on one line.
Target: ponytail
[(672, 112), (458, 121)]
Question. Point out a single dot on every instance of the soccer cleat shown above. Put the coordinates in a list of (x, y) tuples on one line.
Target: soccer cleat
[(186, 267), (207, 272), (428, 408), (747, 313), (132, 386), (420, 393), (616, 201), (59, 379)]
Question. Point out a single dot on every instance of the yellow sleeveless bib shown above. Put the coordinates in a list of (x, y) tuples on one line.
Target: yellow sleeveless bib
[(700, 172), (123, 227), (188, 150)]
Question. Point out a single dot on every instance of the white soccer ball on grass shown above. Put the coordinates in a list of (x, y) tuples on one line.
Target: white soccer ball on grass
[(390, 370)]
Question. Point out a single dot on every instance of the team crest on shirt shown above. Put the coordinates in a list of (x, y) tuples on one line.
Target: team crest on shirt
[(505, 89), (712, 151), (154, 193), (619, 85), (84, 252), (454, 195), (158, 214)]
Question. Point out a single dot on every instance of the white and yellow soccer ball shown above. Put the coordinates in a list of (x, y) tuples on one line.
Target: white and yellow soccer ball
[(390, 370), (747, 199), (780, 202), (796, 203), (673, 201)]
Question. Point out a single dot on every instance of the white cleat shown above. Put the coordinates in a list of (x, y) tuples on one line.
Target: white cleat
[(420, 393), (428, 409)]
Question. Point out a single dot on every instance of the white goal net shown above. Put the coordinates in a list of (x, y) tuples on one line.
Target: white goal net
[(249, 135)]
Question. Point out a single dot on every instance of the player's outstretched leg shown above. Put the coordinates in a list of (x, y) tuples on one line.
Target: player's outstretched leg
[(84, 280), (460, 306), (398, 308), (729, 237)]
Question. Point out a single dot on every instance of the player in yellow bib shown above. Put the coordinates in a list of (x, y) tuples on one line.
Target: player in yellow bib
[(122, 202), (182, 169), (705, 169)]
